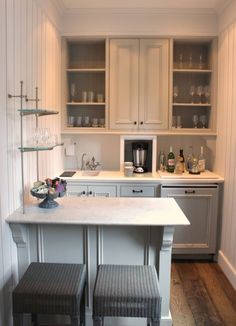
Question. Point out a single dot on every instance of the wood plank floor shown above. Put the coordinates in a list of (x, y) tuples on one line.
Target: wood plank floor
[(201, 295)]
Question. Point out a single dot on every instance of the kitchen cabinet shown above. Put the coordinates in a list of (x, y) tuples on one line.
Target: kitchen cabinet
[(139, 84), (194, 85), (199, 203), (90, 190), (84, 83)]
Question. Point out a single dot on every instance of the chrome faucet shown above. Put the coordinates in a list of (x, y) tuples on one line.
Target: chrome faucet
[(92, 164), (83, 161)]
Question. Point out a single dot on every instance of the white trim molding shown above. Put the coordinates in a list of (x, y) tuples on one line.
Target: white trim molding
[(227, 268)]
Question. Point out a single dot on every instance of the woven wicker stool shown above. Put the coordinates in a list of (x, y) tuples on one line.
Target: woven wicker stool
[(52, 289), (126, 291)]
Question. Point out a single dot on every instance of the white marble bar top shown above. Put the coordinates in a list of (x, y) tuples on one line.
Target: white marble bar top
[(104, 211), (156, 177)]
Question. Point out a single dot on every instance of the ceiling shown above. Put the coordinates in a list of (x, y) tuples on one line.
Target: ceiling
[(212, 5)]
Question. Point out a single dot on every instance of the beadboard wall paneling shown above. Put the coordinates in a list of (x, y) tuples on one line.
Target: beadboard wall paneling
[(30, 51), (226, 147)]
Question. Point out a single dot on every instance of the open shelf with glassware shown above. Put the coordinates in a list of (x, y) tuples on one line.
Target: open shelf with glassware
[(85, 83), (193, 85)]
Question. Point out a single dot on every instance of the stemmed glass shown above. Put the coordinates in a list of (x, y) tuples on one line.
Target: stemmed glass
[(175, 93), (192, 92), (200, 93), (195, 120), (203, 120), (72, 92), (181, 65), (207, 93)]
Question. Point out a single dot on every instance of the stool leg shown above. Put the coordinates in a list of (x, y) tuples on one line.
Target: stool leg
[(82, 310), (74, 320), (97, 321), (18, 319)]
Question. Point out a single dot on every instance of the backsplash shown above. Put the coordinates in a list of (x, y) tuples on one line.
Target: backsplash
[(106, 149)]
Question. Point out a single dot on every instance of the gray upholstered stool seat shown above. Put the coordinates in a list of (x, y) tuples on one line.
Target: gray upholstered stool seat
[(126, 291), (50, 288)]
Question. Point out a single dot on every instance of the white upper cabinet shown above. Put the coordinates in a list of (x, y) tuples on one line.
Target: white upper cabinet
[(139, 70)]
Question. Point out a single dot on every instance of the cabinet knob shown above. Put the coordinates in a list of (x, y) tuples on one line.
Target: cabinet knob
[(90, 193), (141, 122), (135, 122), (190, 191), (137, 191)]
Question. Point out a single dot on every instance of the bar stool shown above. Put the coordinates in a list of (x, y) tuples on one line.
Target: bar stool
[(53, 289), (126, 291)]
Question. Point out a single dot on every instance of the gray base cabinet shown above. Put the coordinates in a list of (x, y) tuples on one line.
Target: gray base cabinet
[(199, 203)]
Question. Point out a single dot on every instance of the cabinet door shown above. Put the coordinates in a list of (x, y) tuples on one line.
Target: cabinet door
[(102, 191), (124, 74), (200, 207), (153, 90)]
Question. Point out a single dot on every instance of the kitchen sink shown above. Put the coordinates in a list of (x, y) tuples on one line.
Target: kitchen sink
[(90, 173)]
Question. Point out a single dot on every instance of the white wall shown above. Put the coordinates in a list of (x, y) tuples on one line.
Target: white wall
[(226, 145), (30, 51)]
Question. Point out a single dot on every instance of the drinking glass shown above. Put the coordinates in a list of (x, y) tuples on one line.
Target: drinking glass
[(181, 65), (190, 61), (207, 93), (203, 120), (200, 93), (200, 65), (174, 121), (72, 92), (175, 93), (192, 92), (195, 120), (178, 120)]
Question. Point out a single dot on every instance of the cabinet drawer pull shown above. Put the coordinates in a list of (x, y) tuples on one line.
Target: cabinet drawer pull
[(135, 122), (141, 122), (90, 193), (137, 191), (190, 191)]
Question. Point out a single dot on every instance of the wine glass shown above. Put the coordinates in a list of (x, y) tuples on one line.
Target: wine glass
[(181, 65), (190, 61), (195, 120), (203, 120), (207, 93), (175, 93), (72, 92), (192, 92), (200, 93), (200, 65)]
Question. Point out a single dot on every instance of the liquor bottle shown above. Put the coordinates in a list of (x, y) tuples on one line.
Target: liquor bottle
[(189, 159), (162, 161), (182, 160), (171, 161), (201, 161)]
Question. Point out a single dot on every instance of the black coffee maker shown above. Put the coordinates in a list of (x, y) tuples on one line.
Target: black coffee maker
[(139, 150)]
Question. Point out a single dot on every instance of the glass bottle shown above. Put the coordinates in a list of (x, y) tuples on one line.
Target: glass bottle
[(162, 161), (189, 159), (201, 161), (171, 161), (182, 160)]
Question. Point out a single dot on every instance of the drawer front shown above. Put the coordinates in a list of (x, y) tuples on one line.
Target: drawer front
[(137, 191), (77, 191)]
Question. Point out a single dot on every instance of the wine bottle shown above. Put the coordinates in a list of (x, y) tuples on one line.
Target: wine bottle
[(171, 161), (201, 161), (182, 160)]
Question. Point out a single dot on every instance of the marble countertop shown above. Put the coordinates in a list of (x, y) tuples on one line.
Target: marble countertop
[(160, 177), (104, 211)]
